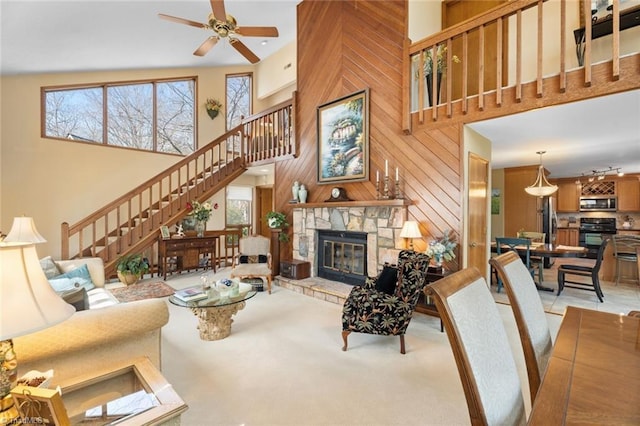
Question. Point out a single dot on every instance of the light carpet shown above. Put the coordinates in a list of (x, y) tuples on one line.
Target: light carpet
[(283, 365)]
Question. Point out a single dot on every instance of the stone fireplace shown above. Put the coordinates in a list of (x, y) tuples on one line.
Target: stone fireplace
[(379, 222)]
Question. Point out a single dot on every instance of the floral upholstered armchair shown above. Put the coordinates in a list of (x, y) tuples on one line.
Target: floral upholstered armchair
[(253, 259), (384, 304)]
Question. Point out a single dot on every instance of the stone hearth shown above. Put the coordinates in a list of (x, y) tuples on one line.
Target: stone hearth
[(381, 221)]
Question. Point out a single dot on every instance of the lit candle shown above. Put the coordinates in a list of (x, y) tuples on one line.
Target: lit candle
[(397, 175), (377, 176), (386, 168)]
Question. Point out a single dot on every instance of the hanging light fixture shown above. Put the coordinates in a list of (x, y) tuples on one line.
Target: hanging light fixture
[(541, 187)]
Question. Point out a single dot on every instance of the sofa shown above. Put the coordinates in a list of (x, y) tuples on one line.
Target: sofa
[(95, 337)]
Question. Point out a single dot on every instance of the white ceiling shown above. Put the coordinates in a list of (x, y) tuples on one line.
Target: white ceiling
[(92, 35)]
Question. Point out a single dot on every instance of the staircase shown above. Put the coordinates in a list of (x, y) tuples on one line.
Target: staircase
[(131, 223)]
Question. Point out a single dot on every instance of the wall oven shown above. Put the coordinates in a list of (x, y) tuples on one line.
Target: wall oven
[(593, 231), (598, 204)]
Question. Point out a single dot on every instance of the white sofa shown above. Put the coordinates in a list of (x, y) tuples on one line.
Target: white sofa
[(95, 337)]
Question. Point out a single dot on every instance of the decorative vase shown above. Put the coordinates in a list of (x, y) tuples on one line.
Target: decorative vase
[(438, 260), (273, 223), (429, 78), (294, 190), (201, 225), (302, 194)]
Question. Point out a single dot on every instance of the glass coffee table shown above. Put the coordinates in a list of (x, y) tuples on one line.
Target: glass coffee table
[(214, 313), (129, 393)]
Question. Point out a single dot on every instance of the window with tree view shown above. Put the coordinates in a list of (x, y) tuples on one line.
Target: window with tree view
[(239, 94), (239, 201), (154, 115)]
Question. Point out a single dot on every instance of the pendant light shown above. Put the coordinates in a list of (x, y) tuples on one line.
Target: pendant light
[(541, 187)]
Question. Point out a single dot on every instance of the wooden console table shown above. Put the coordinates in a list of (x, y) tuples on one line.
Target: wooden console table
[(189, 253)]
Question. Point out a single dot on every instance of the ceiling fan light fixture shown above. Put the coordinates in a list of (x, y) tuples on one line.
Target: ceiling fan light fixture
[(541, 187)]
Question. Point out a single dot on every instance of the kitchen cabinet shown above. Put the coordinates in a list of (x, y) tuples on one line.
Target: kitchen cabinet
[(628, 193), (568, 197), (567, 236)]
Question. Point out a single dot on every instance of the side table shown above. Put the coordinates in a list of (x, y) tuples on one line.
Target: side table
[(129, 393), (425, 303)]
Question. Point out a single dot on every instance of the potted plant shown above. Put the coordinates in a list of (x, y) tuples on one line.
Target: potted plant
[(278, 220), (131, 267)]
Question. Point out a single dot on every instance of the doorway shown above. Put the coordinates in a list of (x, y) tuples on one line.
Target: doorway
[(478, 184), (264, 203)]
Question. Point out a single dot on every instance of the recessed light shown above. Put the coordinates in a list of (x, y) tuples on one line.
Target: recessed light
[(264, 42)]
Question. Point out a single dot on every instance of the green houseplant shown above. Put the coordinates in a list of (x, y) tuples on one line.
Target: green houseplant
[(277, 220), (131, 267)]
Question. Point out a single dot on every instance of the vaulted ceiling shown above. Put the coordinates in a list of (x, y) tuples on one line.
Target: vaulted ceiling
[(91, 35)]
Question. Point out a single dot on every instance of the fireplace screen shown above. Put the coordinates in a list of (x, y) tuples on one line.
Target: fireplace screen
[(343, 256)]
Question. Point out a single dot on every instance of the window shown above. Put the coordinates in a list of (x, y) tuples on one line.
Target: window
[(156, 115), (239, 201), (239, 89)]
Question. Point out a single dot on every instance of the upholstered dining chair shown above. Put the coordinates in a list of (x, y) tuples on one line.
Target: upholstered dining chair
[(589, 279), (384, 305), (506, 243), (253, 259), (480, 347), (529, 315)]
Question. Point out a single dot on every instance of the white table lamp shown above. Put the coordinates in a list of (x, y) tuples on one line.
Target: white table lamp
[(410, 230)]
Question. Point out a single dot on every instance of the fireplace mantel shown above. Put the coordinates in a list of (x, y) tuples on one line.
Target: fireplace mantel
[(358, 203)]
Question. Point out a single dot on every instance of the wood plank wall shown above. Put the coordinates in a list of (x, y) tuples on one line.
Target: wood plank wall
[(344, 47)]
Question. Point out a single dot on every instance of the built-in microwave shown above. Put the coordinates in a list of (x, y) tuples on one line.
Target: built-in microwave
[(598, 204)]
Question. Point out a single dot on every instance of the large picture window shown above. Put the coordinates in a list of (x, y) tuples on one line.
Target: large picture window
[(239, 94), (156, 115), (239, 204)]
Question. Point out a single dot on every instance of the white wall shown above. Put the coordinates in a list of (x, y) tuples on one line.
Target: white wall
[(277, 71)]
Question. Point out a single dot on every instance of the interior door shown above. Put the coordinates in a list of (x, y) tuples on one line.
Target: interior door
[(478, 184), (264, 205)]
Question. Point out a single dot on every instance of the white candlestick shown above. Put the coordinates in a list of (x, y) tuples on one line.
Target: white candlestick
[(397, 175), (386, 168), (377, 176)]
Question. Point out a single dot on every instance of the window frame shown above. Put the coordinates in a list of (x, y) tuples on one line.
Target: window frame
[(104, 86)]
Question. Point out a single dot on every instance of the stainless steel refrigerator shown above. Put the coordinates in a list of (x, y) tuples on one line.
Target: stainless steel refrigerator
[(547, 215)]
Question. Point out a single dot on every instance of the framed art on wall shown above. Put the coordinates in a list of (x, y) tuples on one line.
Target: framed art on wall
[(343, 139)]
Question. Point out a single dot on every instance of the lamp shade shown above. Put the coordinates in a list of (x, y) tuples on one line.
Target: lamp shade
[(24, 230), (28, 303), (410, 229)]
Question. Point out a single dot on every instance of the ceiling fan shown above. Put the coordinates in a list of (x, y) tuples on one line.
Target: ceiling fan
[(225, 26)]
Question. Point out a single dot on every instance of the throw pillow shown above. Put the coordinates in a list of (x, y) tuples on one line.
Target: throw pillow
[(260, 258), (78, 277), (387, 279), (78, 298), (49, 267)]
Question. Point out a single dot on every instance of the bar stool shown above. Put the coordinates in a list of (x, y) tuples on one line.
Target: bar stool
[(625, 250)]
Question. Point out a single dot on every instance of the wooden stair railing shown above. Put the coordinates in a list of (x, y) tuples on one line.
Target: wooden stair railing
[(545, 84), (132, 222)]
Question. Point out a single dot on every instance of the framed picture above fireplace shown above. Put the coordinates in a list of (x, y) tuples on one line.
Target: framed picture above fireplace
[(343, 139)]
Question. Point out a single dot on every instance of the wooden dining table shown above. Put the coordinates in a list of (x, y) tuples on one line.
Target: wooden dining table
[(546, 250), (593, 375)]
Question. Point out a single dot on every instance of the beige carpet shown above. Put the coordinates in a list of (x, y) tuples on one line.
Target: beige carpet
[(283, 365)]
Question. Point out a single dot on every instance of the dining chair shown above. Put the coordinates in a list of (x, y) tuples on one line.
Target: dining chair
[(537, 262), (589, 272), (508, 243), (480, 347), (624, 250), (529, 314)]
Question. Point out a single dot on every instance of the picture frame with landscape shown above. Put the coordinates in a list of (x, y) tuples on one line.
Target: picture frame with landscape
[(343, 139)]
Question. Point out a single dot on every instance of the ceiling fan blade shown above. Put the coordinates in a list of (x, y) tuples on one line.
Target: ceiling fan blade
[(218, 10), (244, 50), (257, 31), (181, 20), (206, 46)]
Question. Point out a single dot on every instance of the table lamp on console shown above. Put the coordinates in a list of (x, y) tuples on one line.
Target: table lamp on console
[(28, 303)]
